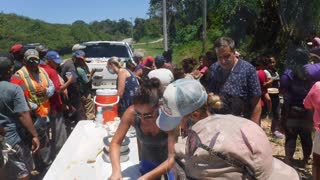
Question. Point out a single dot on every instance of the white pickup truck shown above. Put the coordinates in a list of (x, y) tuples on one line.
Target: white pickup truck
[(97, 55)]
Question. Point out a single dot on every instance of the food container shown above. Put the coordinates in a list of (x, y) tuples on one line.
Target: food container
[(124, 156), (273, 90), (124, 146)]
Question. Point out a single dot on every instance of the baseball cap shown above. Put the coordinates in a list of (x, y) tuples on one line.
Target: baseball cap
[(41, 48), (180, 98), (148, 61), (238, 139), (159, 59), (31, 53), (16, 48), (138, 54), (53, 55), (77, 47), (79, 54)]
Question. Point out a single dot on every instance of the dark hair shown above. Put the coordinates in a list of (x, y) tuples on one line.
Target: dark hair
[(6, 62), (188, 65), (167, 55), (81, 63), (261, 60), (296, 59), (178, 73), (149, 92), (201, 57), (224, 42), (210, 58)]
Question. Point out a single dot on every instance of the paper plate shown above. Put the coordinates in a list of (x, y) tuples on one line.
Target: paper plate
[(273, 90)]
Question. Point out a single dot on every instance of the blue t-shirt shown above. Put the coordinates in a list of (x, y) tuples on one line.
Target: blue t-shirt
[(12, 101)]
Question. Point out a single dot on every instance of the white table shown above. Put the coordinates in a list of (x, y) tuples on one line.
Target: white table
[(84, 143)]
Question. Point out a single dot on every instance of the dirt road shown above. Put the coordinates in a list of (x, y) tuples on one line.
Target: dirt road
[(278, 152)]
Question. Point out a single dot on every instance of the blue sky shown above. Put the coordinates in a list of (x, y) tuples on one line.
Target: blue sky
[(68, 11)]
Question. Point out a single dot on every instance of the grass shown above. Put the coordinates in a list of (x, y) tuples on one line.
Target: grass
[(150, 49), (189, 50)]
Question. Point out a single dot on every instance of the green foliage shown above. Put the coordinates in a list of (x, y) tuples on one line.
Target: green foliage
[(186, 50), (259, 27), (18, 29), (188, 33)]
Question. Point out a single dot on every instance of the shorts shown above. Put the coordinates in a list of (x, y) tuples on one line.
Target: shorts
[(20, 163), (316, 143)]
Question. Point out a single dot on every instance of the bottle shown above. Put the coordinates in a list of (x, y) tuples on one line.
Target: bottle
[(99, 117)]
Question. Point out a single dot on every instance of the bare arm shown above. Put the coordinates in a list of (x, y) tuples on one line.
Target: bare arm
[(165, 166), (268, 83), (91, 74), (138, 73), (26, 121), (121, 81), (65, 85), (126, 121), (256, 111)]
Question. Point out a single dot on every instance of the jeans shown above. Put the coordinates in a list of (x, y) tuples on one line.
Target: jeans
[(59, 132), (20, 163), (275, 124)]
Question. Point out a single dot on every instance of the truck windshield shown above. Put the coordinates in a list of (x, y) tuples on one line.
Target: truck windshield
[(106, 50)]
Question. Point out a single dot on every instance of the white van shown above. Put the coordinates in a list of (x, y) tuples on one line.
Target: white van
[(97, 55)]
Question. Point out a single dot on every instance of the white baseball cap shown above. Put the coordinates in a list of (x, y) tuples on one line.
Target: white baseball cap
[(180, 98)]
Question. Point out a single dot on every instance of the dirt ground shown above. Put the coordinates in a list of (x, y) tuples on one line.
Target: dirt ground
[(278, 152)]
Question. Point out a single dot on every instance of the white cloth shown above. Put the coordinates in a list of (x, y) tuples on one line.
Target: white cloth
[(164, 75), (83, 144)]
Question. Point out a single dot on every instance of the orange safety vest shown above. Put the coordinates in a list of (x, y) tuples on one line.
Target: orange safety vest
[(32, 84)]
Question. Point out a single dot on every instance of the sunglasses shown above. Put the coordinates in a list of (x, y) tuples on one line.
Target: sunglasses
[(146, 115), (34, 61), (194, 142)]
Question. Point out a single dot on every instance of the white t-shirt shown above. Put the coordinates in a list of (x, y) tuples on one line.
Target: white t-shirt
[(164, 75), (268, 74)]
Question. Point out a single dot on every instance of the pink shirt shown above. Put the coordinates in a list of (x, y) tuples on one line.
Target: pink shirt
[(312, 101)]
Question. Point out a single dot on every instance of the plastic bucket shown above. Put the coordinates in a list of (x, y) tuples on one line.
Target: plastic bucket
[(108, 100)]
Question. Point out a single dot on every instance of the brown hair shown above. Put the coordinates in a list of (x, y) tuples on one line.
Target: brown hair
[(149, 92)]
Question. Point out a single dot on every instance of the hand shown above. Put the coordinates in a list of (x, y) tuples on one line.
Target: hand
[(69, 78), (115, 177), (41, 91), (35, 144), (93, 71)]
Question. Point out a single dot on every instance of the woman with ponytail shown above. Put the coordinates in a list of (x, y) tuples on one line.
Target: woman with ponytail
[(155, 160), (127, 83)]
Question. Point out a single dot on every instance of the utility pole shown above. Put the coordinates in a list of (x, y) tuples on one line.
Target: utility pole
[(131, 28), (164, 16), (204, 30)]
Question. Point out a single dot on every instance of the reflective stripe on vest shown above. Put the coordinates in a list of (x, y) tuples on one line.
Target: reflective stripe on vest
[(32, 85)]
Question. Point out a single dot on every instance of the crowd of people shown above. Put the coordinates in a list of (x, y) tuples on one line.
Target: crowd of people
[(44, 97), (202, 119)]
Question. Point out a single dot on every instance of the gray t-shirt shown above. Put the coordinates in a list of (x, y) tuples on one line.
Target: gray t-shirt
[(12, 101), (68, 66)]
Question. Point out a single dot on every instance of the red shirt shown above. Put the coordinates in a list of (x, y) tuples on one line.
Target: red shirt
[(262, 79), (55, 100)]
